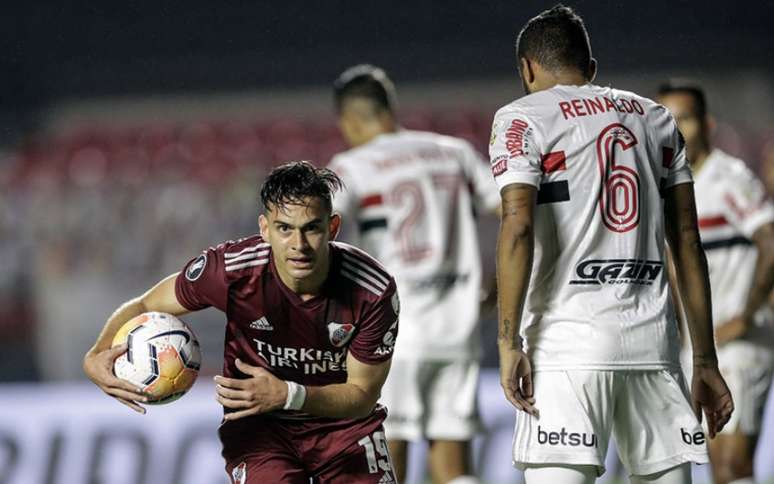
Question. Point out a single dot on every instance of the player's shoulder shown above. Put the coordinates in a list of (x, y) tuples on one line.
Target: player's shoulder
[(245, 256), (730, 169), (532, 105), (367, 277), (442, 141)]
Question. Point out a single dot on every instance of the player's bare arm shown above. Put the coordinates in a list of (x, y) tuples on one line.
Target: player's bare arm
[(98, 361), (710, 394), (674, 290), (263, 392), (763, 283), (515, 250)]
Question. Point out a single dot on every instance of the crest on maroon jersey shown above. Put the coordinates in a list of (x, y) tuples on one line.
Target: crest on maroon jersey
[(239, 473), (340, 333)]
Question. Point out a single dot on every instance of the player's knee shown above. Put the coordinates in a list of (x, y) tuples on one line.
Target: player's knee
[(739, 468), (731, 470), (729, 466)]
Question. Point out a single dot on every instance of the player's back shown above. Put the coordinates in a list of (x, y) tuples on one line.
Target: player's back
[(413, 197), (600, 157)]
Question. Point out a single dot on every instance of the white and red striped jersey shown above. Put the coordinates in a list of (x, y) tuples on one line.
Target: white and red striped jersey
[(410, 200), (732, 204), (598, 296)]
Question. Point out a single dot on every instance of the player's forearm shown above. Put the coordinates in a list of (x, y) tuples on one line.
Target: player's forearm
[(515, 250), (693, 280), (344, 400), (674, 291), (124, 313)]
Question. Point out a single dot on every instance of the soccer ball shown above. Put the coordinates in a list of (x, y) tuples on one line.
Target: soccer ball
[(162, 356)]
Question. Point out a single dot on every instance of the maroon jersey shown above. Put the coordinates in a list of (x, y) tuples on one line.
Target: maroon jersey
[(268, 325)]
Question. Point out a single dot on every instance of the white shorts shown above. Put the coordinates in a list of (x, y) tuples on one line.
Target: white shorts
[(748, 370), (648, 412), (434, 400)]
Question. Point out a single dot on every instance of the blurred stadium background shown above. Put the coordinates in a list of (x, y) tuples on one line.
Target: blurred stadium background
[(135, 134)]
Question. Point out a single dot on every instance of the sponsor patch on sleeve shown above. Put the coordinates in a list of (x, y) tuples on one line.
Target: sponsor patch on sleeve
[(196, 268), (499, 165), (395, 303), (518, 138)]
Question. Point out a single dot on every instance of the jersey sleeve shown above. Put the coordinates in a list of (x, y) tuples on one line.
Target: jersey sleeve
[(485, 193), (513, 150), (747, 207), (674, 159), (202, 282), (378, 330)]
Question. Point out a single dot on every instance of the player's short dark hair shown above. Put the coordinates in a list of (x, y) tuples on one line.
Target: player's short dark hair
[(556, 39), (292, 182), (693, 89), (365, 81)]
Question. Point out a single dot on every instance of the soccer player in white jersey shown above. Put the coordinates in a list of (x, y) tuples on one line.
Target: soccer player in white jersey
[(593, 180), (736, 222), (414, 196)]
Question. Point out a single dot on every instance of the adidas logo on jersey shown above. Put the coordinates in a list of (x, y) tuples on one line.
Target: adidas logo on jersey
[(262, 324), (617, 271)]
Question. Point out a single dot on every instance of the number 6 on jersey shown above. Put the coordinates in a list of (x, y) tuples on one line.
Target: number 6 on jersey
[(619, 194)]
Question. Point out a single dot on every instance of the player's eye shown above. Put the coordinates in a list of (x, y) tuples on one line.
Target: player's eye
[(283, 228)]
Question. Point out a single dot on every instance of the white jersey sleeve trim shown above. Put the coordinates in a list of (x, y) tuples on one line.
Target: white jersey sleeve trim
[(678, 178), (510, 177)]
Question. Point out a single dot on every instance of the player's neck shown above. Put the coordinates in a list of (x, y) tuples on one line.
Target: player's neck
[(699, 157), (387, 130), (565, 78)]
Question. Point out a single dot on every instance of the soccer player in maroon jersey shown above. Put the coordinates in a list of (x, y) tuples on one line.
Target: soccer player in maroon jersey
[(311, 326)]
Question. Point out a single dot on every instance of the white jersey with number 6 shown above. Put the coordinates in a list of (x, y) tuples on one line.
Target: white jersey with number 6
[(600, 157), (410, 200)]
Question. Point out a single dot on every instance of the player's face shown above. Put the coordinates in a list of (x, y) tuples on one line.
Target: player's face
[(299, 236), (692, 126), (359, 121)]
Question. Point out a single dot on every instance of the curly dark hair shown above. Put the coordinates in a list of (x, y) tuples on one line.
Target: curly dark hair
[(557, 38), (292, 182)]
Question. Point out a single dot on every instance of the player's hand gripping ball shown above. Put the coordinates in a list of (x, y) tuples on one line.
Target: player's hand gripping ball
[(162, 356)]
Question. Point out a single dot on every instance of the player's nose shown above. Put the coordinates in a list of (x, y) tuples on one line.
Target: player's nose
[(299, 242)]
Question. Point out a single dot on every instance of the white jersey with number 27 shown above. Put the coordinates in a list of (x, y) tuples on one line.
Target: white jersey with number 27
[(410, 200), (600, 158)]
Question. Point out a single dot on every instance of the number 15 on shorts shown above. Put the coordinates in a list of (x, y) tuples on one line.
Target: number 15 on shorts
[(377, 454)]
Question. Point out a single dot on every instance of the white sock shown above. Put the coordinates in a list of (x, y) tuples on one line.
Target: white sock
[(556, 474)]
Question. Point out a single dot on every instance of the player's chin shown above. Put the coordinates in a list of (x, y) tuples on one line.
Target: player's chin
[(302, 268)]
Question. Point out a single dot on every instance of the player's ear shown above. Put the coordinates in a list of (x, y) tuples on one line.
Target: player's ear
[(592, 69), (334, 226), (710, 123), (263, 224), (526, 71)]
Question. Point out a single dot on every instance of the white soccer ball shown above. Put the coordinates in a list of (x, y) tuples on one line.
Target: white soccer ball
[(162, 356)]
